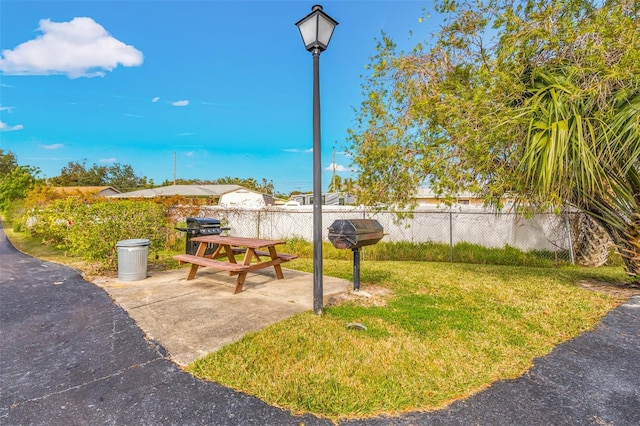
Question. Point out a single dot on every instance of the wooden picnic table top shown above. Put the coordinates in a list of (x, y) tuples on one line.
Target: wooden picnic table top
[(253, 243)]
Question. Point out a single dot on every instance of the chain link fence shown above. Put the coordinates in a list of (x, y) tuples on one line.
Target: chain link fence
[(549, 235)]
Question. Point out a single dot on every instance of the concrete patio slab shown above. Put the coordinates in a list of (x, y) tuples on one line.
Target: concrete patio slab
[(193, 318)]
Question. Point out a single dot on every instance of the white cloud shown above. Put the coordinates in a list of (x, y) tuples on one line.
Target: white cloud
[(4, 127), (338, 168), (108, 160), (186, 134), (52, 146), (156, 99), (306, 151), (189, 154), (79, 48), (180, 103), (8, 109)]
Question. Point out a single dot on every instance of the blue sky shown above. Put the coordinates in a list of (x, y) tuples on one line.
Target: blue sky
[(225, 85)]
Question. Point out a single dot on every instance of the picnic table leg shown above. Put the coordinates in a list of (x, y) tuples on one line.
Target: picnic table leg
[(229, 251), (278, 268), (243, 275), (240, 282), (202, 248), (230, 256)]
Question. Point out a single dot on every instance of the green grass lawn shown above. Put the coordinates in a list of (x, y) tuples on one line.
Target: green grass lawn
[(446, 332)]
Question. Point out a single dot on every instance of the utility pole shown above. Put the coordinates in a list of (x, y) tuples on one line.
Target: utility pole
[(333, 164)]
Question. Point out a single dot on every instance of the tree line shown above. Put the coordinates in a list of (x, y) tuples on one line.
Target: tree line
[(119, 176), (16, 180)]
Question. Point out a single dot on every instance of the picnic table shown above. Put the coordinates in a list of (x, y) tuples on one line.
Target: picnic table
[(227, 248)]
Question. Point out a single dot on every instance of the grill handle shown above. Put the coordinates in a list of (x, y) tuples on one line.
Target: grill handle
[(187, 230)]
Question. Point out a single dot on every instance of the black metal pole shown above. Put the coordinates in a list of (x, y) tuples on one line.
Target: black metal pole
[(317, 189), (356, 269)]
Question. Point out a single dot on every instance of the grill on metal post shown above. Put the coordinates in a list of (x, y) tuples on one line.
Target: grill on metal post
[(198, 227), (353, 234)]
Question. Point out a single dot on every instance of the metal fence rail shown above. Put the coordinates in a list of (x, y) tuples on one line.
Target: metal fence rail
[(550, 234)]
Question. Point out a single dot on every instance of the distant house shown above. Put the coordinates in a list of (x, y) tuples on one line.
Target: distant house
[(98, 191), (328, 199), (245, 198), (425, 197), (189, 191)]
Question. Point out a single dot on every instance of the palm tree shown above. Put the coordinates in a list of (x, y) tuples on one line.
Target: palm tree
[(591, 242), (335, 185), (585, 152)]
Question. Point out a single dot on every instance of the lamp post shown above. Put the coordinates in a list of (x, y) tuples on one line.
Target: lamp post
[(316, 29)]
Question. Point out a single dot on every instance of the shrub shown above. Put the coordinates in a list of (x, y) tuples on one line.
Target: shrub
[(95, 233), (52, 222), (91, 230)]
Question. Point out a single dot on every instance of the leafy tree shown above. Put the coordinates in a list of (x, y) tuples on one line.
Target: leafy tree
[(77, 174), (8, 162), (536, 99), (180, 181), (123, 178), (15, 180), (119, 176), (266, 186), (263, 186)]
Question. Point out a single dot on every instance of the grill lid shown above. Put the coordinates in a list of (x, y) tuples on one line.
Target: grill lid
[(202, 222), (355, 233)]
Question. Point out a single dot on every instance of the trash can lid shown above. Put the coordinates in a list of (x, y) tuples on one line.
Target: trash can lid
[(136, 242)]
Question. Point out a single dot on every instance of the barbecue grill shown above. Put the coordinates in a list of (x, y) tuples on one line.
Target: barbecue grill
[(354, 234), (198, 227)]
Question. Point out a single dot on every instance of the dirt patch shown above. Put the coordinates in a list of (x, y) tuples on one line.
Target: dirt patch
[(369, 296), (622, 290)]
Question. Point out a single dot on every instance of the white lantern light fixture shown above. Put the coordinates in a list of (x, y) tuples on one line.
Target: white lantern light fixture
[(316, 29)]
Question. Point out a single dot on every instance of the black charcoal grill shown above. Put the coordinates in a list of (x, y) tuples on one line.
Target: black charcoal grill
[(199, 227), (354, 234)]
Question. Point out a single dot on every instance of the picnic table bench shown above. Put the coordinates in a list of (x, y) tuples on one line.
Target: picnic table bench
[(230, 246)]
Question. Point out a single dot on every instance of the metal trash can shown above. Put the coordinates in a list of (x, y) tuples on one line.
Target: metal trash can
[(132, 259)]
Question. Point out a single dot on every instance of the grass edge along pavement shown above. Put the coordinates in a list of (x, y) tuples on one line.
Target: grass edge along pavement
[(442, 332), (438, 332)]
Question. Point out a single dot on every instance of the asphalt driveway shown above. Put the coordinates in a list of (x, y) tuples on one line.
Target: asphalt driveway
[(70, 355)]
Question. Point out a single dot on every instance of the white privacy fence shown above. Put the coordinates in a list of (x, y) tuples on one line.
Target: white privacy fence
[(542, 232)]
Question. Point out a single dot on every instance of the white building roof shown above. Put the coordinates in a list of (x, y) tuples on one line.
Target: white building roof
[(183, 190)]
